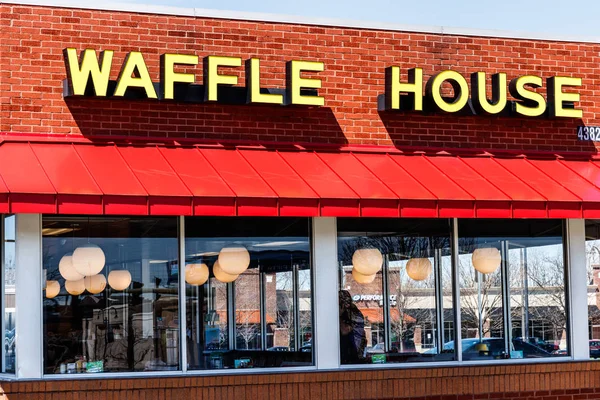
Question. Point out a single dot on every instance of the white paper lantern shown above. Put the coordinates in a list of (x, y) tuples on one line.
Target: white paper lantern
[(88, 259), (221, 275), (75, 287), (367, 261), (52, 289), (66, 268), (95, 284), (362, 279), (486, 260), (119, 279), (418, 269), (234, 260), (196, 274)]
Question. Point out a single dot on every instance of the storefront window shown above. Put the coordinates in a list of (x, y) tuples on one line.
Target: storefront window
[(248, 292), (111, 298), (592, 245), (8, 274), (395, 290), (512, 289)]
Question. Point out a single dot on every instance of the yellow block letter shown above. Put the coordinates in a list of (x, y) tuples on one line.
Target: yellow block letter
[(393, 88), (557, 98), (460, 86), (212, 78), (295, 82), (169, 76), (253, 85), (499, 98), (79, 71), (135, 64), (532, 103)]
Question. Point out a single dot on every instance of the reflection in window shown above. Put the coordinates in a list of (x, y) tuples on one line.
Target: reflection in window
[(512, 289), (592, 244), (122, 316), (254, 311), (8, 271), (395, 290)]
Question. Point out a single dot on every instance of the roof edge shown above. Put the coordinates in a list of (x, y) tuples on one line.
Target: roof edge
[(291, 19)]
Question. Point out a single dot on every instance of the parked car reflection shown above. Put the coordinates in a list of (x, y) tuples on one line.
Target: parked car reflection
[(494, 348)]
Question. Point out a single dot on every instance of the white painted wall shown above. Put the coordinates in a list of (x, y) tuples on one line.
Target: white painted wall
[(578, 288), (326, 309), (28, 296)]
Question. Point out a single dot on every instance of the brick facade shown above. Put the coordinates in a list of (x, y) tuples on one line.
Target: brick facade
[(32, 69)]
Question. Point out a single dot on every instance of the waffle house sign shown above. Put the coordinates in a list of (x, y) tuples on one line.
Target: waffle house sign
[(88, 73)]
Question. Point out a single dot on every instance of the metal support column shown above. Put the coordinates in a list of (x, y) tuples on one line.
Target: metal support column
[(456, 292)]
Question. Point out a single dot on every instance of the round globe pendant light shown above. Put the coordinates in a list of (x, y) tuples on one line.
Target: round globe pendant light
[(367, 261), (221, 275), (95, 284), (486, 260), (89, 259), (362, 279), (418, 269), (196, 274), (234, 260), (66, 268), (119, 279), (52, 289), (75, 287)]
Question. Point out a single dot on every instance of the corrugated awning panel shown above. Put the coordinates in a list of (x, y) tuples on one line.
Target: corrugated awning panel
[(159, 180)]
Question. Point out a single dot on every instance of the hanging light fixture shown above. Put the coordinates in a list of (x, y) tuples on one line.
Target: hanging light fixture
[(234, 260), (221, 275), (66, 268), (367, 261), (75, 287), (119, 279), (52, 289), (418, 269), (196, 274), (362, 279), (486, 259), (95, 284), (89, 259)]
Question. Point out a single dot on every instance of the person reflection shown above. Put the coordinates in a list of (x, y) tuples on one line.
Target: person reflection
[(353, 339)]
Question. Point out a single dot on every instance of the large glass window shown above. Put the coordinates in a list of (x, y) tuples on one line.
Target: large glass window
[(512, 289), (111, 298), (592, 244), (395, 290), (248, 292), (8, 304)]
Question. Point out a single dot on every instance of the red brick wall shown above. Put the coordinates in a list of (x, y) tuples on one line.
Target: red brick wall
[(570, 381), (32, 69)]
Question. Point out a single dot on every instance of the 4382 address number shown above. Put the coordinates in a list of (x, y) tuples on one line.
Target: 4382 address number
[(588, 133)]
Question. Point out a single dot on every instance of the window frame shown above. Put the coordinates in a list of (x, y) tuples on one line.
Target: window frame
[(184, 370), (454, 256), (317, 257)]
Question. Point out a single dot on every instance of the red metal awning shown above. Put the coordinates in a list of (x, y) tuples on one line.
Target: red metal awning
[(85, 178)]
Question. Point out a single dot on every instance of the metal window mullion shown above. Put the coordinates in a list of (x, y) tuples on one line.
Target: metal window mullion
[(439, 299), (182, 298), (456, 292), (296, 306), (386, 304), (231, 315), (263, 310), (506, 314), (3, 290)]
